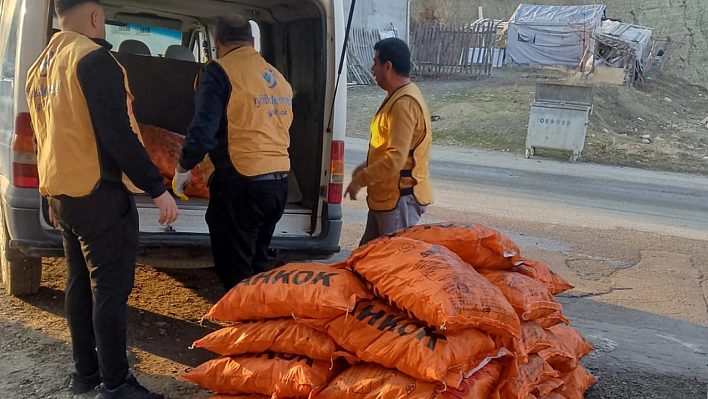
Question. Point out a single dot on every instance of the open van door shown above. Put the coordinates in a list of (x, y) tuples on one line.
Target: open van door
[(304, 39)]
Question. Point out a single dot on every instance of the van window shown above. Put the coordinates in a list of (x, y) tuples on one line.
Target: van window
[(199, 48), (156, 39), (8, 60)]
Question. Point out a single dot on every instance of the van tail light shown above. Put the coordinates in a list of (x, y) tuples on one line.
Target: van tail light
[(24, 165), (336, 171)]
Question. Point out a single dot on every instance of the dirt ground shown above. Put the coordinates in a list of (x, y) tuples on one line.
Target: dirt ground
[(654, 126), (613, 269), (166, 306)]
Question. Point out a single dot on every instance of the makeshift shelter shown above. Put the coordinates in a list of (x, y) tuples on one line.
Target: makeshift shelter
[(623, 46), (553, 35)]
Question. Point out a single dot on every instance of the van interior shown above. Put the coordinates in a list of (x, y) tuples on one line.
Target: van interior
[(163, 44)]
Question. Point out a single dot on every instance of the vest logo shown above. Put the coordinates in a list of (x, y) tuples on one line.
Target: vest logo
[(46, 63), (269, 77)]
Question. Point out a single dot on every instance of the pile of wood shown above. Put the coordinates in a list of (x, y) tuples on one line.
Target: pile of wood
[(618, 50), (360, 55)]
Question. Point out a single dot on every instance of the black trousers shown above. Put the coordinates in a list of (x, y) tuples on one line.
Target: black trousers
[(100, 234), (242, 215)]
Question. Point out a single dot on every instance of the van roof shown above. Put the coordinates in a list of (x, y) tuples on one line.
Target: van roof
[(281, 10)]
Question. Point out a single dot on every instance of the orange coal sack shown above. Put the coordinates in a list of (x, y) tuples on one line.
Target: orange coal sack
[(240, 397), (552, 320), (538, 271), (576, 383), (529, 297), (277, 335), (561, 347), (432, 284), (369, 381), (513, 345), (537, 372), (379, 333), (299, 290), (536, 338), (480, 246), (546, 385), (569, 348), (164, 149), (280, 375)]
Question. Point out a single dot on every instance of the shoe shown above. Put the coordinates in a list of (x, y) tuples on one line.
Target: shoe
[(131, 389), (80, 385)]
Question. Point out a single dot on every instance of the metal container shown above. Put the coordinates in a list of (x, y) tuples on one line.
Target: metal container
[(559, 119)]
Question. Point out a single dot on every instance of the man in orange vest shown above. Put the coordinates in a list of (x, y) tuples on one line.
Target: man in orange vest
[(87, 149), (396, 171), (243, 113)]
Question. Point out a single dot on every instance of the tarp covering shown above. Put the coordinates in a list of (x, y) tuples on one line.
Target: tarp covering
[(636, 37), (552, 35), (529, 14)]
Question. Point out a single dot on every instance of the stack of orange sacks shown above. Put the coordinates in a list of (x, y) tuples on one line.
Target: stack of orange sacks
[(164, 148), (440, 311), (272, 350)]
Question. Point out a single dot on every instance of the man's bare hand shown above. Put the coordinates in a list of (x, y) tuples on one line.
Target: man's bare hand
[(358, 170), (352, 191), (168, 208), (53, 219)]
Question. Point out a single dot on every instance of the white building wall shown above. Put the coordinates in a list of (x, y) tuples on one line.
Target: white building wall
[(380, 14)]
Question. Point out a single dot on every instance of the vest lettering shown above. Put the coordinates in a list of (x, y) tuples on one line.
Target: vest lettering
[(54, 96), (267, 99)]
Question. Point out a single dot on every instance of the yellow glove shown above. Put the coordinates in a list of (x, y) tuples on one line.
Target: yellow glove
[(179, 182)]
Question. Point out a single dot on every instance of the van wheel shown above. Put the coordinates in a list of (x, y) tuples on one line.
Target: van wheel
[(21, 275)]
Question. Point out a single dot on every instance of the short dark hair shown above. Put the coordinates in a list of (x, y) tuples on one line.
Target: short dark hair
[(397, 52), (63, 6), (233, 28)]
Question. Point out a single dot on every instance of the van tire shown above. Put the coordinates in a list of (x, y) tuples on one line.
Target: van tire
[(21, 275)]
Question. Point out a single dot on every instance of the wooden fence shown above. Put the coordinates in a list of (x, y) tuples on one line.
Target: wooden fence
[(360, 54), (439, 50)]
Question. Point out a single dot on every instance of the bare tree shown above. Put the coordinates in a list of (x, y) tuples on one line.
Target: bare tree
[(434, 10)]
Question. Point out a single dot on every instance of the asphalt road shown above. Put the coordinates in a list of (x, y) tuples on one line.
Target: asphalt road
[(581, 194), (633, 242)]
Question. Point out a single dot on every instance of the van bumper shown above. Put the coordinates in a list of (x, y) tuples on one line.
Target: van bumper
[(39, 242)]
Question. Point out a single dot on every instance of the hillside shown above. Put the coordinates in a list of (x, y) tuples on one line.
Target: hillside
[(683, 20)]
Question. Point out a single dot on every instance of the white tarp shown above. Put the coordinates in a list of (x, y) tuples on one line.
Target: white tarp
[(552, 35), (637, 37)]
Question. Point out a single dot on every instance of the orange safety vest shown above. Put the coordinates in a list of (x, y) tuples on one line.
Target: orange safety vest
[(414, 178), (259, 114), (67, 152)]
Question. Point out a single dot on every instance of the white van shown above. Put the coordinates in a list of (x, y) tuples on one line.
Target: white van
[(163, 44)]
